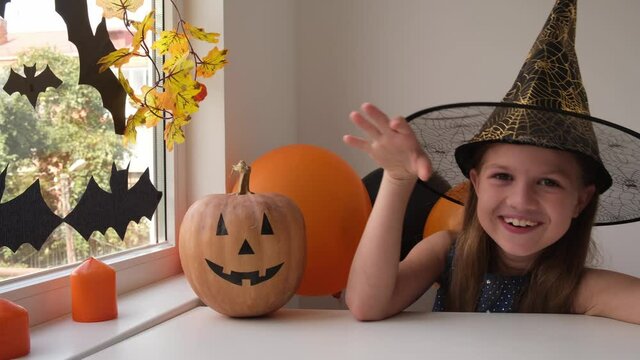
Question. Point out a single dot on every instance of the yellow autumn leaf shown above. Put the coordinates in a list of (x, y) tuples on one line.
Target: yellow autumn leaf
[(185, 102), (117, 8), (167, 101), (115, 58), (200, 34), (181, 120), (180, 76), (152, 118), (135, 120), (141, 30), (171, 42), (180, 82), (176, 64), (157, 101), (127, 88), (172, 62), (149, 96), (214, 61), (173, 133)]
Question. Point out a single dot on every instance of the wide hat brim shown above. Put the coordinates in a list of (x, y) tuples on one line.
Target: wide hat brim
[(444, 133)]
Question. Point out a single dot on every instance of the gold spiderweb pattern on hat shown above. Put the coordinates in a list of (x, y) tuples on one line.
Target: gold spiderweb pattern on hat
[(550, 78), (540, 128)]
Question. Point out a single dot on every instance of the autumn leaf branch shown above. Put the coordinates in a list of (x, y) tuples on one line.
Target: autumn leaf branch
[(176, 93)]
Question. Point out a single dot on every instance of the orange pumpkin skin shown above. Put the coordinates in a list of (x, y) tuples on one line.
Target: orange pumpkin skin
[(243, 217)]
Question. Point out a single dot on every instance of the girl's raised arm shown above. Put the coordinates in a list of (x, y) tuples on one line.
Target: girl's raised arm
[(379, 286)]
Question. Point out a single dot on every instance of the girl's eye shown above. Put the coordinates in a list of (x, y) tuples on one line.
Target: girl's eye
[(549, 182), (502, 176)]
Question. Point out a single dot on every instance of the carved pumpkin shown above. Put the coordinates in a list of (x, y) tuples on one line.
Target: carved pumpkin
[(243, 253)]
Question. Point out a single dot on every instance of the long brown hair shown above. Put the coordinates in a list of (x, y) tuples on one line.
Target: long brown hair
[(554, 275)]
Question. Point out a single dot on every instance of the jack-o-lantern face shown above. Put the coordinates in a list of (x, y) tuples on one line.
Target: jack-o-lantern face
[(243, 255), (236, 277)]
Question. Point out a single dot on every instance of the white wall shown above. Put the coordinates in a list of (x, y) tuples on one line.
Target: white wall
[(298, 67), (260, 93), (202, 155)]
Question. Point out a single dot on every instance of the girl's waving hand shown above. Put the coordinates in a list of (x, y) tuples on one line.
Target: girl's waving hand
[(391, 143)]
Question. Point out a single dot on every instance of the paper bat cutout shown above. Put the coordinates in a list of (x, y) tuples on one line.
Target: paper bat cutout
[(25, 218), (31, 85), (90, 49), (3, 4), (99, 210)]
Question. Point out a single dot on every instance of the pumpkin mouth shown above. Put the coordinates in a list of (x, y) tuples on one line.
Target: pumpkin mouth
[(236, 277)]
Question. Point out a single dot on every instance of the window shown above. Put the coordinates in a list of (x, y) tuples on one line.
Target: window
[(66, 138)]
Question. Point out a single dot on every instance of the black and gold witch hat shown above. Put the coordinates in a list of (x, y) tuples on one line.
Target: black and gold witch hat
[(547, 106)]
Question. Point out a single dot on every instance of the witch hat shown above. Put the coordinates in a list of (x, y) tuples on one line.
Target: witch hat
[(546, 106)]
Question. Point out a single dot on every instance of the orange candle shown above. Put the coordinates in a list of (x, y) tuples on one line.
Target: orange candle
[(93, 292), (14, 330)]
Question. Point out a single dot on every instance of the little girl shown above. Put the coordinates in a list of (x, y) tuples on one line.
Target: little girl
[(536, 178)]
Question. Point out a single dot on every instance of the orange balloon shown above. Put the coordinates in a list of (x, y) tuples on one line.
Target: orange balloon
[(333, 200), (445, 214)]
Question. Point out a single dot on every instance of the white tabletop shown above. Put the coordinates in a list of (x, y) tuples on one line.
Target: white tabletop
[(333, 334)]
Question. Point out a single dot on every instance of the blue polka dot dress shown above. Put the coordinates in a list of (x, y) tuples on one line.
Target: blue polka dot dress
[(497, 294)]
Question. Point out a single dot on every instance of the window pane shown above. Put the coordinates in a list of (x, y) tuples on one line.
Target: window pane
[(68, 137)]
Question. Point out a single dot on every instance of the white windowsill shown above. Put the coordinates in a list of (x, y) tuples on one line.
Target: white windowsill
[(48, 296), (138, 311)]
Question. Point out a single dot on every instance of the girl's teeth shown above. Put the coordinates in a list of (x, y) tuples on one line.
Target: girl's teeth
[(520, 222)]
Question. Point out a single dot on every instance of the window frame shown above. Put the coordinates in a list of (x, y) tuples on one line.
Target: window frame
[(47, 295)]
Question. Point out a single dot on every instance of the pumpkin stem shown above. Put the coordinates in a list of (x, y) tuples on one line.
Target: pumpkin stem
[(245, 171)]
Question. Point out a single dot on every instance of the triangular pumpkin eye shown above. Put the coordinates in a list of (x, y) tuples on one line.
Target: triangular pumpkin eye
[(246, 249), (222, 228), (266, 226)]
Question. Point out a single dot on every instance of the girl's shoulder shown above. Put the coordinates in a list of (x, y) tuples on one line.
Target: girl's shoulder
[(609, 294)]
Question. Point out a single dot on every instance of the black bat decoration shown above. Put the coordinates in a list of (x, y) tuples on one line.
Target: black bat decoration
[(31, 85), (99, 210), (3, 4), (90, 49), (26, 218)]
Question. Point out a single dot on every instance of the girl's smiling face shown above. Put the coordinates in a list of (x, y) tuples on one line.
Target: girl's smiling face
[(527, 197)]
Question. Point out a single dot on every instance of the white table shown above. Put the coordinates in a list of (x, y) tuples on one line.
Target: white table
[(333, 334)]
